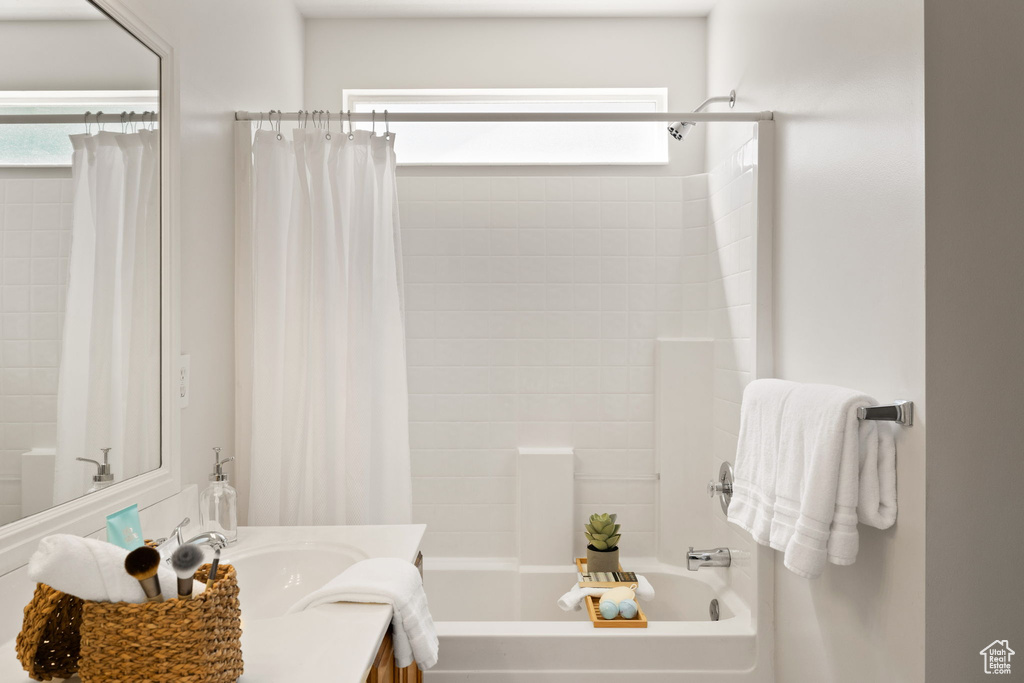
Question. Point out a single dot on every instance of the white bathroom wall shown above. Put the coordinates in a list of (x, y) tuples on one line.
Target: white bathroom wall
[(532, 308), (515, 53), (232, 54), (846, 82), (35, 226)]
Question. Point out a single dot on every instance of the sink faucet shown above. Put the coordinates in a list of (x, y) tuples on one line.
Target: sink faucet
[(211, 538), (716, 557)]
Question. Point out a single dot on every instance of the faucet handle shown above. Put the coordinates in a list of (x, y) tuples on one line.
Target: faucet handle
[(722, 485)]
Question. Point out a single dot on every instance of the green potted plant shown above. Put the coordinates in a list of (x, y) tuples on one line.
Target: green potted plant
[(603, 550)]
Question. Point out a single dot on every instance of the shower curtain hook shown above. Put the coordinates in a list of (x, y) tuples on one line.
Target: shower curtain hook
[(351, 135), (302, 120), (387, 128), (279, 136), (124, 125), (85, 120), (132, 122), (327, 123), (99, 124), (373, 123)]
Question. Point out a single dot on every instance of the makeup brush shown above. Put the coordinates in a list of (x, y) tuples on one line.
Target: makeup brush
[(213, 567), (185, 561), (142, 564)]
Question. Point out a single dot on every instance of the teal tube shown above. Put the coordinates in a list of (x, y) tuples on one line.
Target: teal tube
[(124, 528)]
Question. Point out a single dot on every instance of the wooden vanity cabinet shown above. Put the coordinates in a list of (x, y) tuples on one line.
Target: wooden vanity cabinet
[(384, 669)]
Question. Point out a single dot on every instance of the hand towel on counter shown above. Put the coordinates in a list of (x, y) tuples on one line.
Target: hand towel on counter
[(91, 570), (394, 582), (807, 470), (573, 600)]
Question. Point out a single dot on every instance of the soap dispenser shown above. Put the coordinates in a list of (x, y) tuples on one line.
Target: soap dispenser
[(218, 505), (103, 477)]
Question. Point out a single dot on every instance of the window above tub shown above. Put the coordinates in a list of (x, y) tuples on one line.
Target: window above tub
[(520, 143)]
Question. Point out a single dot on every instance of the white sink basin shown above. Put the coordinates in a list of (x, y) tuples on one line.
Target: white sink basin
[(276, 567), (279, 565), (272, 578)]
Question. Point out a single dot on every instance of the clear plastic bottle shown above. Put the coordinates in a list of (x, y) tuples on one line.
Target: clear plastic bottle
[(218, 504)]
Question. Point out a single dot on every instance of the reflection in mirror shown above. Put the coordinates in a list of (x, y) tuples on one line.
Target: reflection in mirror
[(79, 255)]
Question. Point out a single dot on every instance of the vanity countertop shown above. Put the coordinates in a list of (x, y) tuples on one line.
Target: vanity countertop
[(335, 642)]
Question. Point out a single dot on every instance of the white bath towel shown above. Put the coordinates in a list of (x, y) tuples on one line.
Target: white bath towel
[(92, 570), (394, 582), (573, 600), (807, 470)]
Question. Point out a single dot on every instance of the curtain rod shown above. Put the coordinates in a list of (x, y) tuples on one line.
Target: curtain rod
[(138, 117), (489, 117)]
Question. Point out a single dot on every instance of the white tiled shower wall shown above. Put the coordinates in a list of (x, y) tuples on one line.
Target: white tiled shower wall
[(731, 247), (35, 225), (532, 308)]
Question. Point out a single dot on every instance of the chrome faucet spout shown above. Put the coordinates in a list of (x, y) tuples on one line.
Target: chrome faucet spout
[(211, 538), (716, 557)]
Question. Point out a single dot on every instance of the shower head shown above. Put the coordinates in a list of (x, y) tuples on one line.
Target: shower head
[(681, 129)]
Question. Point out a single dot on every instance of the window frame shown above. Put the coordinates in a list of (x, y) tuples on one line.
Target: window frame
[(364, 100)]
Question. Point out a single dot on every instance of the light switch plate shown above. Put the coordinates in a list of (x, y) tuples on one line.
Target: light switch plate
[(184, 375)]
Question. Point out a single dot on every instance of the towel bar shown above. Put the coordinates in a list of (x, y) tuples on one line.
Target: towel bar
[(900, 412)]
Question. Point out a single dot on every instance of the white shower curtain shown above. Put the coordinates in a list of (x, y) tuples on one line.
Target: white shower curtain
[(329, 435), (108, 393)]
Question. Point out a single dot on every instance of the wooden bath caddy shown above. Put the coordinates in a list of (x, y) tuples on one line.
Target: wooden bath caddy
[(594, 612), (593, 602)]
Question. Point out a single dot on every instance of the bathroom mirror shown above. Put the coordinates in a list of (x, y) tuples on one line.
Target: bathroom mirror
[(82, 255)]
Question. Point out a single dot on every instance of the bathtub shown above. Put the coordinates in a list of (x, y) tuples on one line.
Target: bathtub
[(498, 623)]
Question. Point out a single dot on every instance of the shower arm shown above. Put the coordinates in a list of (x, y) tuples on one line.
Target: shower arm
[(683, 126), (730, 98)]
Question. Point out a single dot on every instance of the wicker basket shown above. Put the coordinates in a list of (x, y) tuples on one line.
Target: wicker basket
[(48, 645), (184, 641)]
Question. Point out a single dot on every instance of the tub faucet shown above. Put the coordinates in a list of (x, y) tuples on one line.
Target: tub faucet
[(716, 557)]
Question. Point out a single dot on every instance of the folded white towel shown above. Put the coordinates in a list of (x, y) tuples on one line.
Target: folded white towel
[(91, 570), (573, 600), (807, 470), (394, 582)]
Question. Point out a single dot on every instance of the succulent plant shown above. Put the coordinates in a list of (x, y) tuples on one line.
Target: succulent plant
[(602, 532)]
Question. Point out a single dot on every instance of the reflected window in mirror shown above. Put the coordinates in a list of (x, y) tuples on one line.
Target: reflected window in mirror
[(80, 259), (48, 144)]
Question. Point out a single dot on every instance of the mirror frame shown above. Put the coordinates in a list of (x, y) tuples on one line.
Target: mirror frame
[(85, 515)]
